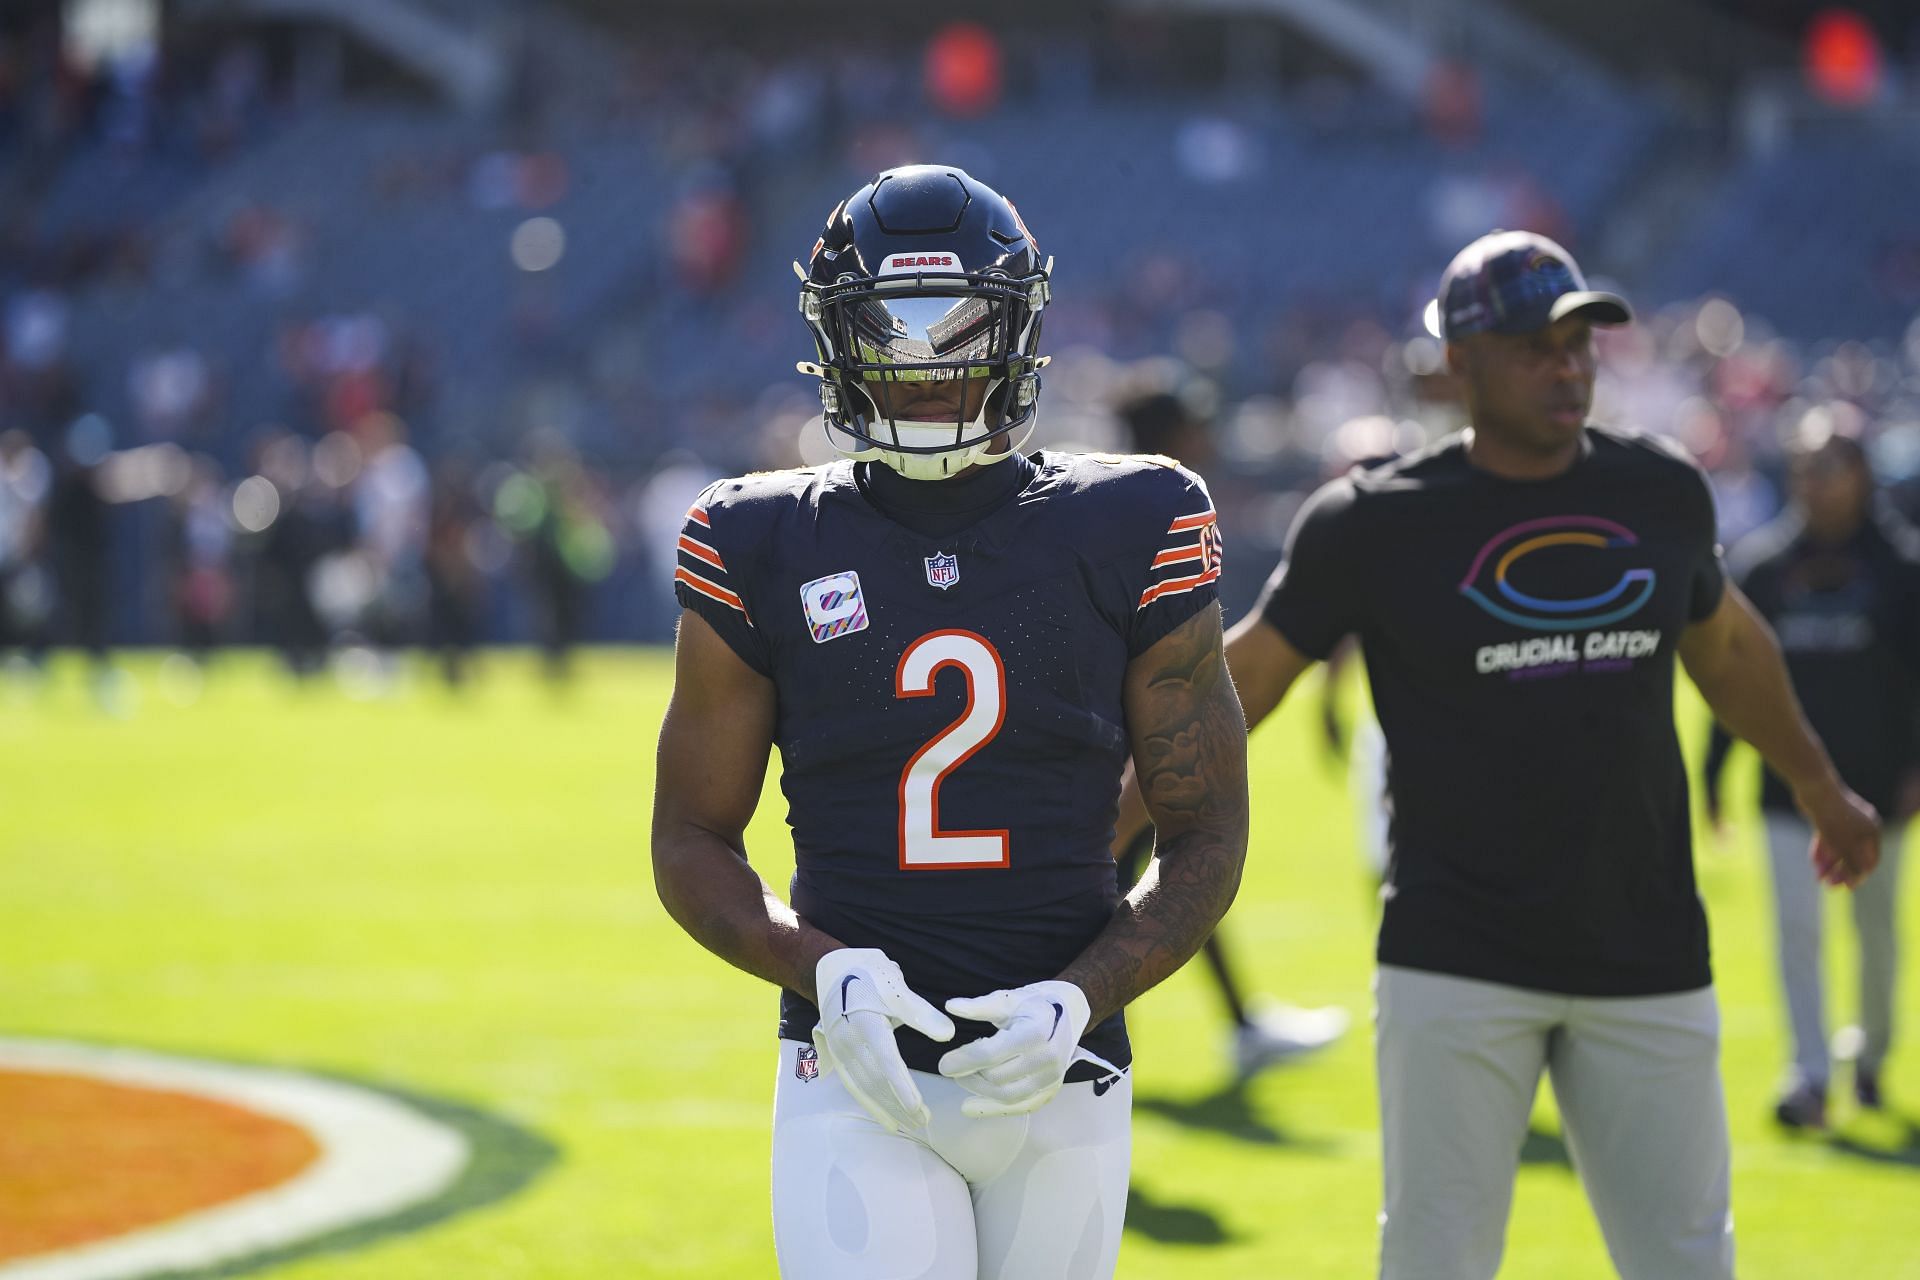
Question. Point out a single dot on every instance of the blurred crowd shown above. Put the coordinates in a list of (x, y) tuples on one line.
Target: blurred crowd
[(357, 538), (347, 492), (349, 540)]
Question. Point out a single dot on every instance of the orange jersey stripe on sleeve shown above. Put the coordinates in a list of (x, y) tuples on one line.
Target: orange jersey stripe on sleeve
[(701, 551), (1177, 586), (712, 590), (1174, 555), (1198, 519)]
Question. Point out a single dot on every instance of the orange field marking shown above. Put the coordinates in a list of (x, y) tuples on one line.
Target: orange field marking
[(82, 1159)]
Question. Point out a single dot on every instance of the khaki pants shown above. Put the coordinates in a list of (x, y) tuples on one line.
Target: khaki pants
[(1638, 1084)]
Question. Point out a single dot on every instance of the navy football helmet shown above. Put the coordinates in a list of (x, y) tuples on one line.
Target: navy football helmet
[(924, 296)]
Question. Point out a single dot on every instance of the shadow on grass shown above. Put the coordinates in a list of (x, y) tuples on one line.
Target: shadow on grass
[(1228, 1112), (1173, 1223), (1901, 1147), (1542, 1147)]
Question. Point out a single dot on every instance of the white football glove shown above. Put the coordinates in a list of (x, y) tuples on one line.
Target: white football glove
[(1021, 1066), (863, 997)]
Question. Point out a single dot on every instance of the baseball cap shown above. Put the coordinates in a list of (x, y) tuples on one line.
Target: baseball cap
[(1515, 282)]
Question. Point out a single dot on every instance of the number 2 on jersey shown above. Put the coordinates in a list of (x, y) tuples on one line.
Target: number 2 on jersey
[(923, 845)]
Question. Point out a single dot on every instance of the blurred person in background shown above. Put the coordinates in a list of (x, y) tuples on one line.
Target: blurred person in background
[(26, 592), (79, 539), (40, 386), (1064, 608), (200, 546), (556, 511), (1838, 577), (1160, 422), (456, 589), (392, 500), (659, 507), (312, 524)]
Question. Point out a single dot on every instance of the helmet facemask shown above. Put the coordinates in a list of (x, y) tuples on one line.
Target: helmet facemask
[(929, 374)]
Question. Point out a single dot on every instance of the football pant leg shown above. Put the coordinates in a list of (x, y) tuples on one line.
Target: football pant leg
[(1055, 1211), (852, 1201)]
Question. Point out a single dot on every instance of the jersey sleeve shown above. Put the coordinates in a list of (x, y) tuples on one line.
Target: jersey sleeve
[(1182, 561), (1313, 596), (710, 542)]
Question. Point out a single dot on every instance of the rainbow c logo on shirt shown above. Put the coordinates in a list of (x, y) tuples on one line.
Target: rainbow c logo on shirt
[(1508, 547)]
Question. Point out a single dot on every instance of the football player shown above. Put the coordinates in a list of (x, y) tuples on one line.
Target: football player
[(957, 649)]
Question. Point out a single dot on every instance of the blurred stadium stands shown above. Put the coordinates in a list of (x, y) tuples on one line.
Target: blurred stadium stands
[(1816, 236), (488, 315)]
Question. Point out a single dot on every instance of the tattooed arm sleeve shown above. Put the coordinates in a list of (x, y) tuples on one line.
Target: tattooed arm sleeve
[(1190, 754)]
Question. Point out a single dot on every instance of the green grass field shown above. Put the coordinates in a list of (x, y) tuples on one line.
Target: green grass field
[(452, 894)]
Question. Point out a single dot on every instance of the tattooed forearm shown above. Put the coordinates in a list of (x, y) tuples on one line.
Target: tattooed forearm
[(1191, 765), (1190, 754), (1158, 926)]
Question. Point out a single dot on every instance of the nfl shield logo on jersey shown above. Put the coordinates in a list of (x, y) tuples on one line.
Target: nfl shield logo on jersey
[(943, 570), (806, 1062)]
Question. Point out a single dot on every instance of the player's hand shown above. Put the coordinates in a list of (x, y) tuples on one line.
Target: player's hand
[(1846, 833), (1021, 1066), (863, 997)]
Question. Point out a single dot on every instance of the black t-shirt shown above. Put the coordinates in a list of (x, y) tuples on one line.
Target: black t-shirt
[(1519, 639), (1848, 620)]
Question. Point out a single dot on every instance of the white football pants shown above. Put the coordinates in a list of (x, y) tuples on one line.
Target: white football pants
[(1797, 907), (1638, 1083), (1034, 1197)]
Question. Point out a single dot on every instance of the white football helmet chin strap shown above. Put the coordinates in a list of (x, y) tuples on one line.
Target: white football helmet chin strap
[(983, 447), (948, 462)]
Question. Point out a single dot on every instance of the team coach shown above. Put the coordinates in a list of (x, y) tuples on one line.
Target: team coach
[(1520, 591)]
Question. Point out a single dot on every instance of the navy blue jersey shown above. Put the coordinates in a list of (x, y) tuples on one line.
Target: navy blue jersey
[(950, 722), (1848, 619)]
